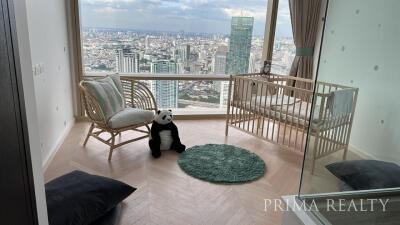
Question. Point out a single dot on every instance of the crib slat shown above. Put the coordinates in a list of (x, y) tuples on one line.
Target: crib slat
[(286, 120), (261, 118), (268, 111), (241, 110)]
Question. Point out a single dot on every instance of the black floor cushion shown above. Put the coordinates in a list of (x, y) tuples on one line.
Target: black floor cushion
[(110, 218), (79, 198), (367, 174)]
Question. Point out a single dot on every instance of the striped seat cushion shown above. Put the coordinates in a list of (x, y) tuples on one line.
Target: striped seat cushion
[(107, 93)]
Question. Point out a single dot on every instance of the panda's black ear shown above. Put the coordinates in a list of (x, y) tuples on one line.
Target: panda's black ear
[(169, 110), (159, 111)]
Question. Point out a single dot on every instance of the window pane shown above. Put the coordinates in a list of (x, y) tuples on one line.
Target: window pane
[(174, 37), (284, 49)]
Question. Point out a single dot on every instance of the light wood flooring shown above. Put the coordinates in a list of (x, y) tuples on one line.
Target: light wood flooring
[(165, 195)]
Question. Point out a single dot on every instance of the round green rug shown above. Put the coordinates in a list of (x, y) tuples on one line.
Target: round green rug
[(221, 163)]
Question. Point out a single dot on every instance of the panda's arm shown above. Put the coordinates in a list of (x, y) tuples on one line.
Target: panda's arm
[(174, 132), (155, 132)]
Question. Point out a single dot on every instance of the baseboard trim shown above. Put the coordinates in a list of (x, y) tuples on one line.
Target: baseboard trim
[(361, 153), (60, 141)]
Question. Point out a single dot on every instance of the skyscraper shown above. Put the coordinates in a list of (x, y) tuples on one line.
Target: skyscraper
[(127, 62), (147, 43), (239, 45), (119, 62), (183, 53), (219, 67), (219, 60), (252, 64), (131, 63), (165, 91)]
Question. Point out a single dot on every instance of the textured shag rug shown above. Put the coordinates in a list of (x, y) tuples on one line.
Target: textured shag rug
[(220, 163)]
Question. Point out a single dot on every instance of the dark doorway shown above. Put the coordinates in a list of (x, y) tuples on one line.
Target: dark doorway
[(18, 205)]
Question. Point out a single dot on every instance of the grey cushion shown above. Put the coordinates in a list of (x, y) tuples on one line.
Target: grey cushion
[(117, 82), (367, 174), (130, 116), (107, 93)]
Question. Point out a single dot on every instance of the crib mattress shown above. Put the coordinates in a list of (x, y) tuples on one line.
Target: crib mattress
[(297, 112)]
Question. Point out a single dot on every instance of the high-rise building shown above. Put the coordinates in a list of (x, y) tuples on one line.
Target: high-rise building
[(239, 45), (131, 63), (221, 87), (183, 53), (219, 67), (219, 60), (165, 91), (119, 63), (252, 64), (127, 62), (147, 43)]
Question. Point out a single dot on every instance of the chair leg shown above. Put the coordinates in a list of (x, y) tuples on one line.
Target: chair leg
[(148, 129), (313, 166), (111, 147), (88, 134), (110, 153)]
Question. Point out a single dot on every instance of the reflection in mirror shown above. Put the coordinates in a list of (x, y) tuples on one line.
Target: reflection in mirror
[(353, 142)]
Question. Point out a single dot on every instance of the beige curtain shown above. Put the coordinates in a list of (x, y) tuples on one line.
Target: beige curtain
[(305, 16)]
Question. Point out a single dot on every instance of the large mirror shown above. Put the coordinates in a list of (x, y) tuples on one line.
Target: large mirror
[(354, 135)]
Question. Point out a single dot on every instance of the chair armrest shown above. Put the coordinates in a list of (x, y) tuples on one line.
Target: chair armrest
[(138, 95)]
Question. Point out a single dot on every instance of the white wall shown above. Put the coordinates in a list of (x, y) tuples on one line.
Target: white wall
[(30, 107), (47, 24), (318, 40), (361, 49)]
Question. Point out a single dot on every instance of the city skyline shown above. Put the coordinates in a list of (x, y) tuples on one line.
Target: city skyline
[(197, 16), (130, 51)]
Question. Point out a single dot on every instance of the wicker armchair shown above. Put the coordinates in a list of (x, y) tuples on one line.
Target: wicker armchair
[(136, 95)]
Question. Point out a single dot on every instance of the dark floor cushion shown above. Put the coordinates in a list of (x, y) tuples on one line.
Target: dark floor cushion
[(367, 174), (80, 198), (110, 218)]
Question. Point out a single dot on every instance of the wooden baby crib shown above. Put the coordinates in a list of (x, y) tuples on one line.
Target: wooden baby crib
[(278, 109)]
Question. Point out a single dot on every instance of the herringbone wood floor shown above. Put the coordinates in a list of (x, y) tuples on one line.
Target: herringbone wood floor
[(166, 195)]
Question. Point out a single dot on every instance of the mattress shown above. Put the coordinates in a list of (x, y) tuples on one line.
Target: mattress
[(273, 100), (293, 110)]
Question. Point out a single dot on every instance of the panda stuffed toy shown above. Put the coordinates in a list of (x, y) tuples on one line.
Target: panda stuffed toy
[(164, 134)]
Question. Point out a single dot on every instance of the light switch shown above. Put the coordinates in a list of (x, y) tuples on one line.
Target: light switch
[(41, 66), (36, 70)]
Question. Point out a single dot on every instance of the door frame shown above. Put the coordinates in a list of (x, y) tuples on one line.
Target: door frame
[(25, 162)]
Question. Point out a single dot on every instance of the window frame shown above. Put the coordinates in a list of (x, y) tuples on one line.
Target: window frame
[(79, 74)]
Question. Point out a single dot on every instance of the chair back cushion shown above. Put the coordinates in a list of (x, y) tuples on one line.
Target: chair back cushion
[(117, 82), (107, 93)]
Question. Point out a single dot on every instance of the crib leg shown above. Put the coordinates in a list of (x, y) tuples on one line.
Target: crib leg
[(313, 166), (314, 154), (345, 153)]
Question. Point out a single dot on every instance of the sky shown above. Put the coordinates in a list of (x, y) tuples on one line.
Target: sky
[(200, 16)]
